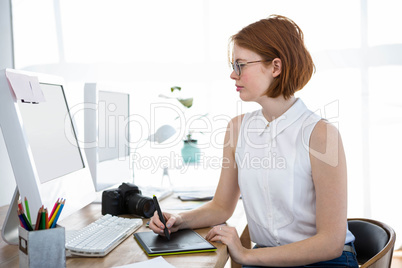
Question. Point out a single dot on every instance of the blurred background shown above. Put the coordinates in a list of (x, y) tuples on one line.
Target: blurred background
[(146, 47)]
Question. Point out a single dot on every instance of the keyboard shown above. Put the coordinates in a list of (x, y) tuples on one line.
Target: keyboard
[(100, 237)]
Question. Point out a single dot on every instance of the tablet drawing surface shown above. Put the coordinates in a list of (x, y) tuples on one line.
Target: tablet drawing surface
[(183, 241)]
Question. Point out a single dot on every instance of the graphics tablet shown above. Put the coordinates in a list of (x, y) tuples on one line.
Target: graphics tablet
[(183, 241)]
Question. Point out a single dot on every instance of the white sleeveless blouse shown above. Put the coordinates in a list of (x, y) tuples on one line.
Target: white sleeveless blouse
[(274, 175)]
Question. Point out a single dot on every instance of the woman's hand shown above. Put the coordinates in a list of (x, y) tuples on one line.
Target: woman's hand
[(173, 223), (228, 236)]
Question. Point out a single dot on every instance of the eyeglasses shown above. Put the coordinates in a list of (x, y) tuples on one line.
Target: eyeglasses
[(237, 66)]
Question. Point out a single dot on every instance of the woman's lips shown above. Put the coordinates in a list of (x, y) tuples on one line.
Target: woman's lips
[(238, 88)]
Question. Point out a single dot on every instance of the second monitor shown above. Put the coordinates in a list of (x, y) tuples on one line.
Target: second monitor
[(107, 135)]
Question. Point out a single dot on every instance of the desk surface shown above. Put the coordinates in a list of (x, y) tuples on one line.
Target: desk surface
[(129, 251)]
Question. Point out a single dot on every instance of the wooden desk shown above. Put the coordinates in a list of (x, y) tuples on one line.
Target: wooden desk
[(129, 251)]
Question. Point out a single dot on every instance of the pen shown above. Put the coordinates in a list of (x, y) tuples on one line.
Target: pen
[(162, 219)]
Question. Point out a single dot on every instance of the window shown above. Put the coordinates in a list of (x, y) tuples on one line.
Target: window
[(356, 46)]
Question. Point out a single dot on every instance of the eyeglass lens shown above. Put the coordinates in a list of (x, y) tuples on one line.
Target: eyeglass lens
[(236, 67)]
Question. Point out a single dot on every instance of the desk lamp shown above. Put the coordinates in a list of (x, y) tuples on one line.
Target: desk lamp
[(163, 133)]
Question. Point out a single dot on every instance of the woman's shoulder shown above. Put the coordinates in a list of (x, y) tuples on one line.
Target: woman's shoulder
[(322, 131), (236, 121), (325, 141), (234, 125), (232, 131)]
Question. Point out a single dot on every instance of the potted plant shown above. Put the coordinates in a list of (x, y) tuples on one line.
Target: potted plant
[(190, 151)]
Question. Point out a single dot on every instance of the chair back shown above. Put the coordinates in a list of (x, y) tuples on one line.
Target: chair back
[(374, 242)]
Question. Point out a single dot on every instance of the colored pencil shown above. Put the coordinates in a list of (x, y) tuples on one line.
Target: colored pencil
[(27, 209), (22, 221), (58, 214), (38, 218), (20, 206), (54, 208), (55, 213), (43, 220), (46, 219), (29, 226), (18, 210)]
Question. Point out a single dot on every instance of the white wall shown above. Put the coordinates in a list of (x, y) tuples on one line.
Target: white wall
[(154, 45), (6, 38)]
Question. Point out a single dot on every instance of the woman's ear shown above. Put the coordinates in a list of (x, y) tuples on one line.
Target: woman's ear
[(277, 67)]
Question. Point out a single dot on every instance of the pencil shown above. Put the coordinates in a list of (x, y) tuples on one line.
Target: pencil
[(43, 220), (23, 224), (54, 208), (29, 226), (54, 214), (20, 206), (46, 219), (18, 210), (58, 214), (27, 209), (38, 218)]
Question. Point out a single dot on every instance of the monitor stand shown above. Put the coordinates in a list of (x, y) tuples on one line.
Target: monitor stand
[(9, 231)]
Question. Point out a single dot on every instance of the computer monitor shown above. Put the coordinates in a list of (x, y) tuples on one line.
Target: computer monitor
[(44, 152), (107, 135)]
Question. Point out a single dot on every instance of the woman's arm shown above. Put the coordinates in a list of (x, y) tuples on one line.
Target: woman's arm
[(329, 175), (221, 207)]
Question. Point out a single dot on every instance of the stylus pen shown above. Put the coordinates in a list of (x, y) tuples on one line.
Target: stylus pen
[(162, 219)]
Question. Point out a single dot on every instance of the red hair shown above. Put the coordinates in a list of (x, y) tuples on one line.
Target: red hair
[(279, 37)]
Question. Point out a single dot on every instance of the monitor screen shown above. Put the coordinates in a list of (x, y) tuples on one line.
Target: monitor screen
[(55, 153), (107, 137), (113, 130), (42, 146)]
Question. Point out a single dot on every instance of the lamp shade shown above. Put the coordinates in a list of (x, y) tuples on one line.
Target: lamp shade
[(163, 133)]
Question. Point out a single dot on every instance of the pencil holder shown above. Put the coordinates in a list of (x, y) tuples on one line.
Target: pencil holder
[(42, 248)]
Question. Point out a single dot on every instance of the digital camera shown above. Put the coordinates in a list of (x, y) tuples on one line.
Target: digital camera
[(127, 199)]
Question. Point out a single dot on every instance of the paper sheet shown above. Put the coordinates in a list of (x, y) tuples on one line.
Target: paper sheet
[(159, 262), (26, 88)]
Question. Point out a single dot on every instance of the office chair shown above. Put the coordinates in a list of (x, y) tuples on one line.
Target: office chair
[(374, 242)]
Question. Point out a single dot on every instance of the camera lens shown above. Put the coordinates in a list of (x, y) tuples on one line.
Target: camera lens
[(141, 205)]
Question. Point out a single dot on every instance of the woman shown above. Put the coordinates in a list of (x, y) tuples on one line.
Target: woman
[(288, 163)]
